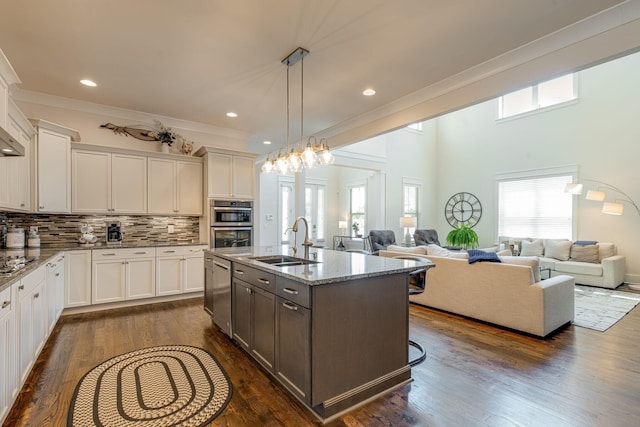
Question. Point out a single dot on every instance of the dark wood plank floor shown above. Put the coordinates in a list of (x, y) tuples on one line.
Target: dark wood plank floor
[(474, 375)]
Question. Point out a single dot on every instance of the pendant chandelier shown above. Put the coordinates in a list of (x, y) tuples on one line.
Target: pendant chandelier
[(298, 156)]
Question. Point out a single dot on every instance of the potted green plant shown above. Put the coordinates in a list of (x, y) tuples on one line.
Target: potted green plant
[(463, 236), (356, 229)]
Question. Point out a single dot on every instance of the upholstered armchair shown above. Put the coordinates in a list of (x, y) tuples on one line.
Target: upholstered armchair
[(428, 237), (380, 239)]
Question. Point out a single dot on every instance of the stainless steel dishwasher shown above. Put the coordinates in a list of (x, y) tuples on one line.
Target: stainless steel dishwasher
[(217, 291)]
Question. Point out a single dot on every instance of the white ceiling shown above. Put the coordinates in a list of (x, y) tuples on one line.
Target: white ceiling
[(197, 59)]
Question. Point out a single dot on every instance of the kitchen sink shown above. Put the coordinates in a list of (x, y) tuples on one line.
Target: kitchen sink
[(283, 260)]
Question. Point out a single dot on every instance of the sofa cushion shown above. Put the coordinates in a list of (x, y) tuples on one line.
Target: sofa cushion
[(588, 253), (533, 248), (530, 261), (572, 267), (558, 249), (548, 263), (606, 250), (418, 250)]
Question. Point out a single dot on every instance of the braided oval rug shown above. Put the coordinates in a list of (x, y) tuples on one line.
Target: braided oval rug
[(156, 386)]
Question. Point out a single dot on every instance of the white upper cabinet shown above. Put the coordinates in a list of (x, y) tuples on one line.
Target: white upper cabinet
[(19, 168), (175, 187), (229, 174), (104, 182), (53, 148)]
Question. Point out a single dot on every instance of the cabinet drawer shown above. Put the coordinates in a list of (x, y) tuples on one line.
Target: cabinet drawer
[(297, 293), (5, 302), (128, 253), (259, 278), (171, 251), (34, 278)]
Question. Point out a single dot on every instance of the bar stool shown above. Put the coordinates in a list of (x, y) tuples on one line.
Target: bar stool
[(417, 282)]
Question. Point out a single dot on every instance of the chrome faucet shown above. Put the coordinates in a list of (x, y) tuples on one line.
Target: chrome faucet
[(307, 242)]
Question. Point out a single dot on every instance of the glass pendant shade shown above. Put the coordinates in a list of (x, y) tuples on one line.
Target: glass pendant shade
[(309, 157), (294, 161), (281, 165)]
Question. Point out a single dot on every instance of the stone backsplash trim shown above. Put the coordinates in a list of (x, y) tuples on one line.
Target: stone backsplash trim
[(65, 229)]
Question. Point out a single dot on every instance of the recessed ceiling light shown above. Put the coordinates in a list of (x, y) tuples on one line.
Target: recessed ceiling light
[(267, 142), (368, 92), (231, 114), (88, 82)]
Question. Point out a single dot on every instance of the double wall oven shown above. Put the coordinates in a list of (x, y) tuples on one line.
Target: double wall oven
[(231, 223)]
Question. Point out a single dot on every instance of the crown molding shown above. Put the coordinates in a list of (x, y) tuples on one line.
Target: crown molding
[(124, 114)]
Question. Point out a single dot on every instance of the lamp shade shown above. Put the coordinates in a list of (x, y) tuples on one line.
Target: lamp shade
[(595, 195), (573, 188), (612, 208), (408, 221), (342, 224)]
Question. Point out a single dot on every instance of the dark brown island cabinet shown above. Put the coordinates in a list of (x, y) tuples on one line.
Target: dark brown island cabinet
[(334, 332)]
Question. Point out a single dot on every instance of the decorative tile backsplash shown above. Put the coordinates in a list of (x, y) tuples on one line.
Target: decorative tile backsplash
[(65, 229)]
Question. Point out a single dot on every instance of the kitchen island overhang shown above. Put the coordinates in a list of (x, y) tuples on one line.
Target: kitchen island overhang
[(340, 325)]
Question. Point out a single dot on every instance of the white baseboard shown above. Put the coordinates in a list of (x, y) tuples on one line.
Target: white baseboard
[(131, 303)]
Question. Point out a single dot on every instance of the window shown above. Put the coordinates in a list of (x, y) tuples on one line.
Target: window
[(417, 126), (543, 95), (357, 204), (535, 206), (410, 199), (286, 210), (315, 211)]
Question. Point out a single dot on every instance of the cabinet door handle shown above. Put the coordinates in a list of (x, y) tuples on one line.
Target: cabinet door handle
[(289, 306), (240, 272), (196, 250), (265, 281), (57, 274), (141, 253), (169, 252), (21, 288), (36, 295), (108, 254), (6, 304), (248, 290), (290, 291)]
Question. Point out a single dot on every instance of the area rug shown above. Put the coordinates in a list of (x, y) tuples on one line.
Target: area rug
[(156, 386), (599, 309)]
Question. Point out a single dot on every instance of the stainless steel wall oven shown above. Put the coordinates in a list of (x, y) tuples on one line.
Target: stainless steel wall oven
[(231, 223)]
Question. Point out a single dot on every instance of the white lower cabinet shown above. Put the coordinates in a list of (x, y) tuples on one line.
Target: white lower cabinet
[(54, 286), (8, 371), (122, 274), (77, 278), (179, 269), (31, 313)]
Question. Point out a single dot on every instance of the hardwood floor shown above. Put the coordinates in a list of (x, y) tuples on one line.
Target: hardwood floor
[(474, 374)]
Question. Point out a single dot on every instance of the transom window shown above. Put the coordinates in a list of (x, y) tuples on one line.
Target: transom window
[(537, 97)]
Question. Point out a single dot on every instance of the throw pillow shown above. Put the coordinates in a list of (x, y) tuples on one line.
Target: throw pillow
[(506, 252), (420, 250), (476, 255), (606, 250), (436, 250), (589, 253), (529, 261), (558, 249), (534, 248)]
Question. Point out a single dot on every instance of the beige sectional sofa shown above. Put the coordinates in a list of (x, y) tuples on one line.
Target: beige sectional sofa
[(509, 294), (595, 264)]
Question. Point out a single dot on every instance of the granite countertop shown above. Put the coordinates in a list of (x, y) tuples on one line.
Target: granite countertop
[(332, 267), (46, 253)]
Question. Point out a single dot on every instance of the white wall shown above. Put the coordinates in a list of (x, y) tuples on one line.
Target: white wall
[(600, 133)]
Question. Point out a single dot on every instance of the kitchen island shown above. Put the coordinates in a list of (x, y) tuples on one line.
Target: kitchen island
[(333, 330)]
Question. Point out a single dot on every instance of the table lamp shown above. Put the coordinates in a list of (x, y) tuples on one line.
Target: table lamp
[(342, 225), (408, 222)]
